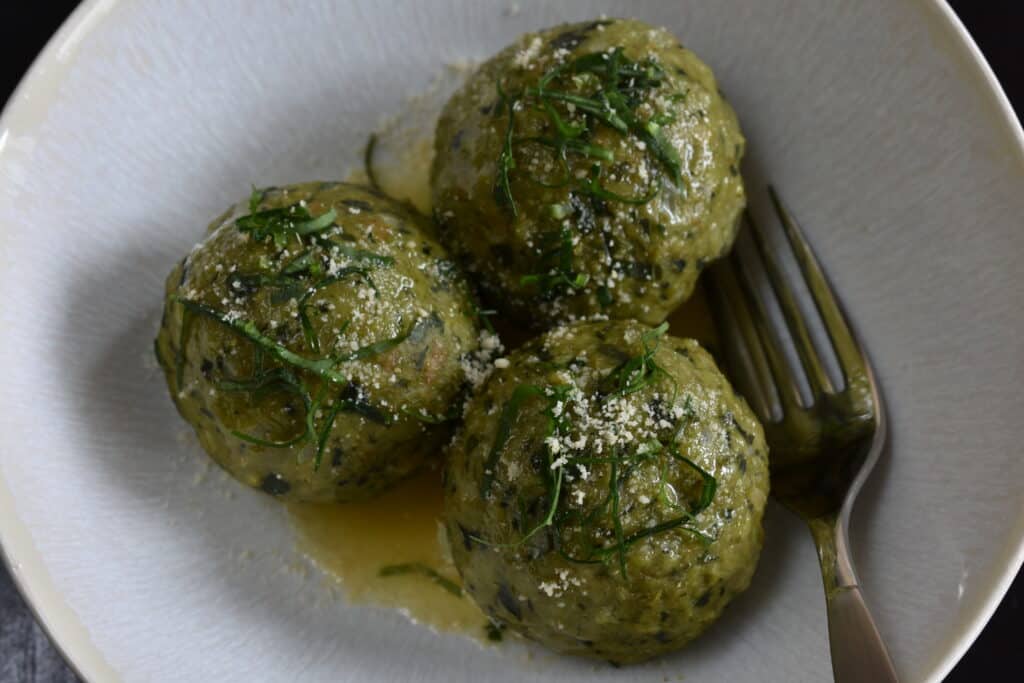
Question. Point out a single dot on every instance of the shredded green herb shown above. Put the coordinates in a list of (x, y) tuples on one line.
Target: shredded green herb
[(632, 375), (260, 382), (592, 185), (422, 569), (509, 413), (429, 419), (559, 274), (377, 347), (325, 368), (484, 315), (255, 199), (613, 485), (619, 85), (495, 631), (638, 371), (283, 379), (303, 263), (311, 269), (506, 160), (281, 223)]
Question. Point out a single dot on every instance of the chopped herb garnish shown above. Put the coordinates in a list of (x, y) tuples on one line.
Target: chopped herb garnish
[(325, 430), (304, 262), (598, 531), (283, 379), (255, 198), (325, 368), (318, 262), (506, 161), (261, 381), (281, 223), (266, 443), (309, 270), (619, 85), (377, 347), (422, 569), (495, 631), (592, 184), (708, 487), (613, 486), (429, 419), (558, 261), (509, 414), (485, 316), (638, 371)]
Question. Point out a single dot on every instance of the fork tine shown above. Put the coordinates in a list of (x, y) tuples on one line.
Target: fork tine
[(787, 389), (848, 351), (817, 378), (755, 381)]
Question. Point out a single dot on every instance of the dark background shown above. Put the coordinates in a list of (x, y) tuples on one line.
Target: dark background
[(26, 655)]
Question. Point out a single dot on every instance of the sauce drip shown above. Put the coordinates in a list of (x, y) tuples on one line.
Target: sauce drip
[(351, 542)]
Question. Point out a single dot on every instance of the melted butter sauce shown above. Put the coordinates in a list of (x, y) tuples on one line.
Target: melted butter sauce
[(352, 542), (693, 319)]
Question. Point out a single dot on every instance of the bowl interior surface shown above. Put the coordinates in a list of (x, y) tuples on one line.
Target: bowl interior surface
[(144, 120)]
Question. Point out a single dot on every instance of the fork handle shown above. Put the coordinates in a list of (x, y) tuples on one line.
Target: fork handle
[(858, 653)]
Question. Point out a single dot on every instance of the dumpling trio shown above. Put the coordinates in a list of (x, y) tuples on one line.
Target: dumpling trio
[(605, 486)]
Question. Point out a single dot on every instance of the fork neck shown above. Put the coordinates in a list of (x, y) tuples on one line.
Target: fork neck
[(832, 541)]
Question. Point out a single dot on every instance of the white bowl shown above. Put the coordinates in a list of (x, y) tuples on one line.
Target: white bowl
[(142, 120)]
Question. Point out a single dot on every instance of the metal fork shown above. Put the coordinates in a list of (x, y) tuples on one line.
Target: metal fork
[(822, 449)]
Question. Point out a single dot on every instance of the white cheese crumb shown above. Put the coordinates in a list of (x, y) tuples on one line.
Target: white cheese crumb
[(524, 58)]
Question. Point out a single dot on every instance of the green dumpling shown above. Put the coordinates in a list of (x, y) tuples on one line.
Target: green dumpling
[(319, 344), (605, 494), (588, 169)]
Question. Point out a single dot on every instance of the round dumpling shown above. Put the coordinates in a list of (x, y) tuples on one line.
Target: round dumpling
[(588, 169), (317, 343), (605, 494)]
